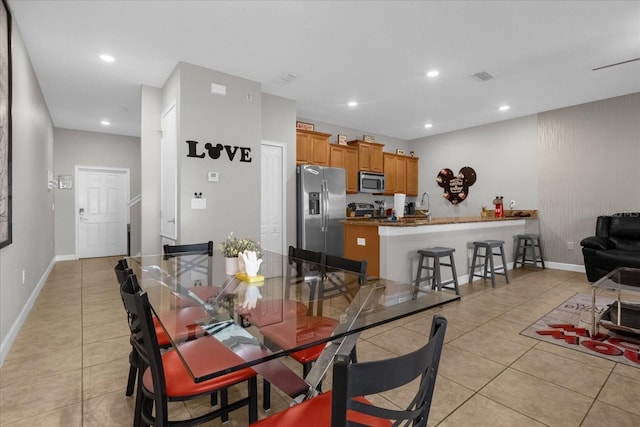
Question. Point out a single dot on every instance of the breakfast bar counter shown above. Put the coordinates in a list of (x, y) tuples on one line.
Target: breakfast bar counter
[(390, 247)]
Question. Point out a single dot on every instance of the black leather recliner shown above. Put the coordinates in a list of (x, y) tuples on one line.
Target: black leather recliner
[(616, 244)]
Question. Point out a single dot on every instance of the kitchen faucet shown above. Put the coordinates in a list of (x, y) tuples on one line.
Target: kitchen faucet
[(428, 204)]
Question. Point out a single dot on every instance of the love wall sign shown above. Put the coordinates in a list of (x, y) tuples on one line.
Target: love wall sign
[(215, 151)]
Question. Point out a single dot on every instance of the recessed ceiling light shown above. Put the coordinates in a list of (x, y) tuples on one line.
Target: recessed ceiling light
[(107, 58), (105, 122), (352, 104), (433, 73), (428, 125), (504, 107)]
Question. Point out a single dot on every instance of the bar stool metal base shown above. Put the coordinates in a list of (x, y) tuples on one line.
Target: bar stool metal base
[(489, 269), (433, 272), (528, 243)]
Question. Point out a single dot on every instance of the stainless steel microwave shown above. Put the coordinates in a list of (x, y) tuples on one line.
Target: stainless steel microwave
[(371, 182)]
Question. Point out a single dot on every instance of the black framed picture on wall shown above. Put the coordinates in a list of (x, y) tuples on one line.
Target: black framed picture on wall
[(5, 126)]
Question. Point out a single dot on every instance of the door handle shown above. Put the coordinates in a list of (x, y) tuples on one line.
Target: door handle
[(172, 221)]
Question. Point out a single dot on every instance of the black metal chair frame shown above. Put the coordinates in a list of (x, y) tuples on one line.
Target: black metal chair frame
[(152, 408), (191, 265), (360, 379)]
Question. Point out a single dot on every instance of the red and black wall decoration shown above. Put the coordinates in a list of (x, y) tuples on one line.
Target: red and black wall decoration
[(456, 187)]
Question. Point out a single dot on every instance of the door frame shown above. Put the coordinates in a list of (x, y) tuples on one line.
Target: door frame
[(283, 148), (127, 189)]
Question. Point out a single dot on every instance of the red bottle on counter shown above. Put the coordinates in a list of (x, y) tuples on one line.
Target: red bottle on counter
[(499, 207)]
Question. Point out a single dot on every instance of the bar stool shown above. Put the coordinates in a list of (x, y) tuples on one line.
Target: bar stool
[(433, 273), (488, 255), (528, 242)]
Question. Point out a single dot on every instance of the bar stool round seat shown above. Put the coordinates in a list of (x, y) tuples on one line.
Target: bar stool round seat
[(489, 268), (433, 270), (528, 251)]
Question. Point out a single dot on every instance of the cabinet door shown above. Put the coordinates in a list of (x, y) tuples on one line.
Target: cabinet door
[(303, 148), (376, 161), (412, 176), (389, 162), (320, 153), (351, 165), (364, 157), (337, 157), (401, 175)]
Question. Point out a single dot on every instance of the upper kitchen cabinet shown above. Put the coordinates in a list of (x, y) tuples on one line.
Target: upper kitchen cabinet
[(312, 147), (369, 155), (412, 176), (395, 173), (346, 157), (401, 174)]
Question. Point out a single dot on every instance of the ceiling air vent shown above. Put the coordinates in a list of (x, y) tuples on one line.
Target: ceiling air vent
[(483, 76)]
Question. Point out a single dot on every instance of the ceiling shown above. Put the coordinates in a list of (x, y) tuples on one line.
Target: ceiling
[(540, 54)]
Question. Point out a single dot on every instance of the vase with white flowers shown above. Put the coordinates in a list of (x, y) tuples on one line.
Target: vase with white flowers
[(232, 248)]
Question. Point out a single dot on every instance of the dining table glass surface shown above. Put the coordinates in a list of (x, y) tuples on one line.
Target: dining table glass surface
[(274, 314)]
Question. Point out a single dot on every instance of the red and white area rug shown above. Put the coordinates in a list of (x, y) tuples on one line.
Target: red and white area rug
[(569, 325)]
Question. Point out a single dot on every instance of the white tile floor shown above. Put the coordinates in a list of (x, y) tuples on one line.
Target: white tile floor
[(69, 364)]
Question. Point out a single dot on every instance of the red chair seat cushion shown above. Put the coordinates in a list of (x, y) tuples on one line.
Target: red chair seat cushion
[(270, 311), (316, 412), (183, 324), (203, 355), (299, 331)]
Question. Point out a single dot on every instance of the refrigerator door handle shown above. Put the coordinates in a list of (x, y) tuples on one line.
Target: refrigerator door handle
[(325, 206)]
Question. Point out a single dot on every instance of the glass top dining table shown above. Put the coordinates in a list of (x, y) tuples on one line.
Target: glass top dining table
[(292, 305)]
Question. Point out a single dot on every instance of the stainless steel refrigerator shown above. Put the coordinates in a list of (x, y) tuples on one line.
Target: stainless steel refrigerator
[(322, 203)]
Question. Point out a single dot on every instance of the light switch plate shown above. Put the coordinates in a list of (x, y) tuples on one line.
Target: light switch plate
[(213, 176), (361, 241), (198, 203)]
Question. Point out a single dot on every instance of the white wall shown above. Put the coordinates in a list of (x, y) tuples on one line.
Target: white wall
[(233, 203), (32, 249), (589, 157), (278, 125), (150, 112), (81, 148), (504, 156)]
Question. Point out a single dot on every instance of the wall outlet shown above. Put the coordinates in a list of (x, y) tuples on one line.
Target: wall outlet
[(570, 246), (361, 241)]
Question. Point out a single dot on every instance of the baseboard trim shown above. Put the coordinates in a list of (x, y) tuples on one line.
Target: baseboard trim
[(566, 267), (71, 257), (22, 317)]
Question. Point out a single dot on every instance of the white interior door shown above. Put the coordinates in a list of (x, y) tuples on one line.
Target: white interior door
[(273, 219), (102, 195), (169, 176)]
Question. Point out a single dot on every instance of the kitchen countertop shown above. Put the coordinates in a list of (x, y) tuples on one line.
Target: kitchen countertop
[(421, 220)]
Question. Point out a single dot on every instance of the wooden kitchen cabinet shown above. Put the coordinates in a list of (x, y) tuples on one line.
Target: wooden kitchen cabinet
[(395, 173), (367, 248), (344, 156), (369, 155), (412, 176), (312, 147)]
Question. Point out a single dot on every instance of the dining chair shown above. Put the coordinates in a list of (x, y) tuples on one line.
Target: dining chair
[(163, 378), (276, 310), (198, 269), (312, 325), (334, 281), (181, 324), (346, 404)]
